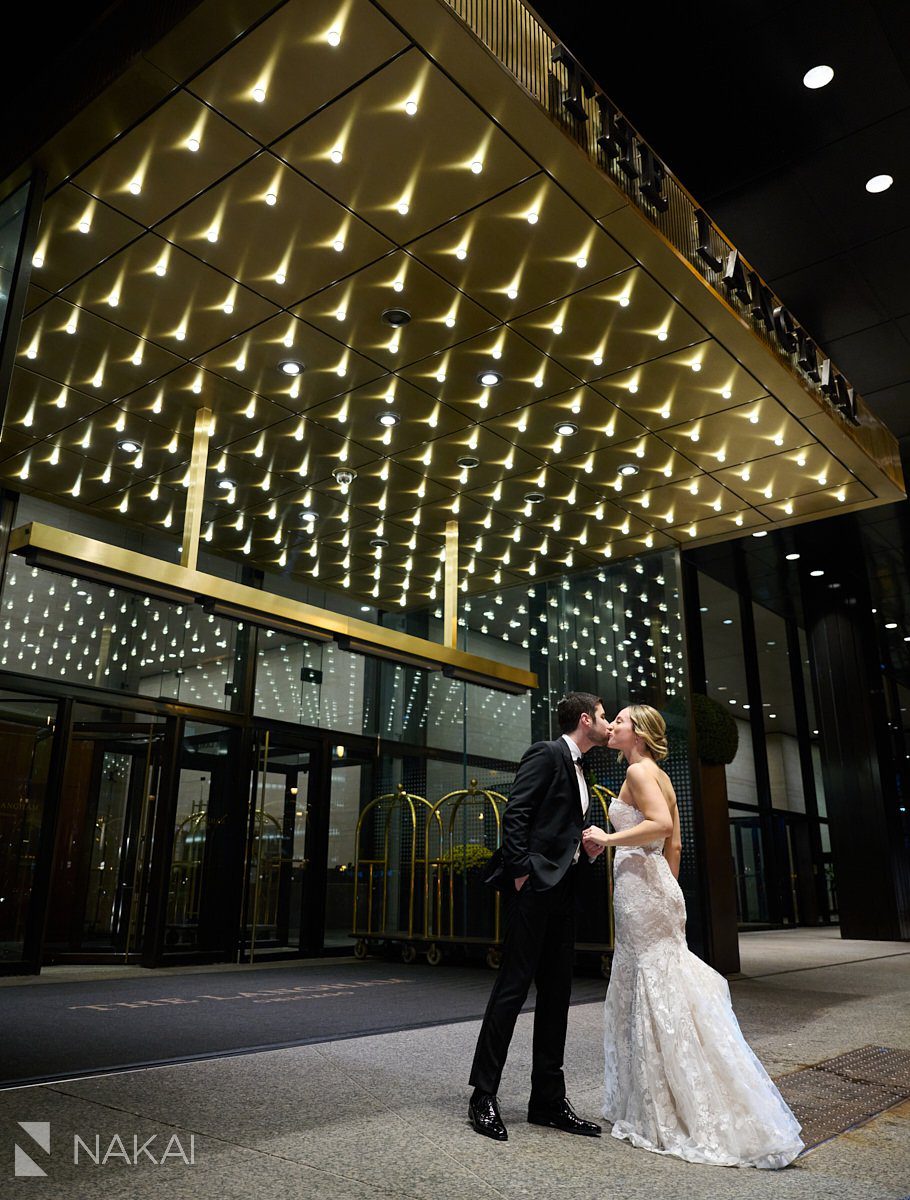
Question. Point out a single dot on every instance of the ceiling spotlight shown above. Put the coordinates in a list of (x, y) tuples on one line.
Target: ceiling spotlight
[(879, 183), (818, 77), (129, 446), (226, 485), (379, 543), (308, 514), (792, 557), (337, 155), (476, 166), (534, 497), (396, 317), (468, 461), (566, 428), (344, 476), (290, 366), (760, 533), (410, 107), (489, 378), (816, 574), (388, 418), (333, 37), (628, 469)]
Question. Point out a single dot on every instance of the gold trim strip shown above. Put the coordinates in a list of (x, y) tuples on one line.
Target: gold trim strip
[(73, 554)]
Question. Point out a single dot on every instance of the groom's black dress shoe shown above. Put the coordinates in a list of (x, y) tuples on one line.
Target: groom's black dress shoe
[(483, 1113), (562, 1116)]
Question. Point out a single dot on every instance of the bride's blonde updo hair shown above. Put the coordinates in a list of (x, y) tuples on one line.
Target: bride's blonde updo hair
[(651, 728)]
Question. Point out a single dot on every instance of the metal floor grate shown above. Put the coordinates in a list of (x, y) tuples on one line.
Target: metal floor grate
[(832, 1096)]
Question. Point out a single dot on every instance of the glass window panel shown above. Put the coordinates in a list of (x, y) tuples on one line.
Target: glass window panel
[(100, 868), (204, 836), (778, 711), (72, 630), (26, 736)]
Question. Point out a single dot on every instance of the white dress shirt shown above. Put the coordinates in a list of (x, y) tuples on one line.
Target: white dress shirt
[(582, 786)]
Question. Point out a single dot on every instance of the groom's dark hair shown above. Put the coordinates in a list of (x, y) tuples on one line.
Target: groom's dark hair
[(570, 708)]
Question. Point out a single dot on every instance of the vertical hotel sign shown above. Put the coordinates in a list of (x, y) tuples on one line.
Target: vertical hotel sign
[(590, 117)]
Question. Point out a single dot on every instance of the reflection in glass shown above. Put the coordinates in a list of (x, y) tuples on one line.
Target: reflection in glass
[(72, 630), (276, 855), (26, 735), (778, 711), (204, 833), (100, 875), (746, 846)]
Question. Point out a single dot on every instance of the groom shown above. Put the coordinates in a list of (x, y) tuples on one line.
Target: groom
[(535, 869)]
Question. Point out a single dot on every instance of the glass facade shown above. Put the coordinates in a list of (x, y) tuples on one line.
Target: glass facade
[(213, 793)]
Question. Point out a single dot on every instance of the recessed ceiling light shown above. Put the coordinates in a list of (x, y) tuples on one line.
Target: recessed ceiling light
[(760, 533), (792, 557), (290, 366), (226, 485), (891, 624), (816, 574), (308, 514), (129, 446), (818, 77), (566, 428), (879, 183), (489, 378), (396, 317), (534, 497), (628, 469), (727, 621), (388, 418), (379, 542), (468, 461)]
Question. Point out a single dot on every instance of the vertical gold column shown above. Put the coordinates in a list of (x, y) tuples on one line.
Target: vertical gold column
[(450, 610), (192, 522)]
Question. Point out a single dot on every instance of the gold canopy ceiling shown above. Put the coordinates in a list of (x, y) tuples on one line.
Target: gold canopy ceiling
[(333, 163)]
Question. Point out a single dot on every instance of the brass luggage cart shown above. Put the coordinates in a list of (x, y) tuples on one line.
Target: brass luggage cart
[(461, 911), (419, 875), (390, 874)]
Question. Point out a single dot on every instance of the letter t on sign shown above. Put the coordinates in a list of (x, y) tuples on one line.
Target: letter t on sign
[(579, 85)]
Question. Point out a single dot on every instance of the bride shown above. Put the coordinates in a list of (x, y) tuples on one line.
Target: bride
[(680, 1077)]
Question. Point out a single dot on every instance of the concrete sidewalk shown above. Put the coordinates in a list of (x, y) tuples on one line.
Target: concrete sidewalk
[(385, 1116)]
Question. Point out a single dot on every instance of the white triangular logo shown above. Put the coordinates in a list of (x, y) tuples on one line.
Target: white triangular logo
[(40, 1132)]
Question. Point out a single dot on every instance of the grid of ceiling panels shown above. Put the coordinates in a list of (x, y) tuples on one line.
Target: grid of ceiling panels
[(319, 174)]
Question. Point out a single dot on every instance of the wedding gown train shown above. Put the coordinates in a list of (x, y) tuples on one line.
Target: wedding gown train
[(680, 1077)]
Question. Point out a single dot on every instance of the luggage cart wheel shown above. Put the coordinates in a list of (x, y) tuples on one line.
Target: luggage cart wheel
[(494, 958), (434, 955), (408, 953), (361, 949), (606, 965)]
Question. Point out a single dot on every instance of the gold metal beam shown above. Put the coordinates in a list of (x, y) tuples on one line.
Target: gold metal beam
[(450, 610), (72, 554), (192, 521)]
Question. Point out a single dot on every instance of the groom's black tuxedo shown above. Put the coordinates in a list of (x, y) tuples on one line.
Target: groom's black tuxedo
[(541, 832), (542, 823)]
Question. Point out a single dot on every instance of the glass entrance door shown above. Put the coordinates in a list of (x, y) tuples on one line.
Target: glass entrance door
[(100, 872), (27, 728), (278, 879)]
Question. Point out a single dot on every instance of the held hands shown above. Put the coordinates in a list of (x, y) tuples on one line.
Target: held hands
[(595, 841)]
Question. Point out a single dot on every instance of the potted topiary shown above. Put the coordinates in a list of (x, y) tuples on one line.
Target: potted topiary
[(473, 903), (717, 740)]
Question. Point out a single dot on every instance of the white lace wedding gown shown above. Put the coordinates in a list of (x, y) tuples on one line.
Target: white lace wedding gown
[(680, 1077)]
